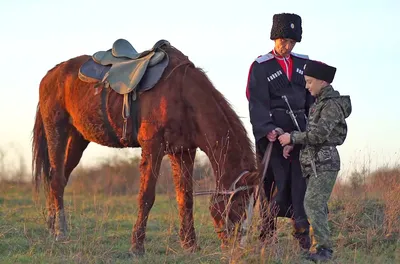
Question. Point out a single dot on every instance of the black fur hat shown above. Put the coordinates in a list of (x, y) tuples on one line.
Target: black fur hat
[(319, 70), (286, 25)]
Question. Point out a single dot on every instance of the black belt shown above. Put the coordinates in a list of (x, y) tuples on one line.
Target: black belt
[(287, 111)]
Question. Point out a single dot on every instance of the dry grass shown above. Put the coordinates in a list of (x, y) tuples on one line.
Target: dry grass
[(101, 207)]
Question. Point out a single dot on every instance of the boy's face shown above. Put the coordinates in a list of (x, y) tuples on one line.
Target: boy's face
[(314, 85), (284, 46)]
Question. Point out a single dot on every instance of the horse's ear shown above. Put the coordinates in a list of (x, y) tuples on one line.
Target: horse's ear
[(250, 178)]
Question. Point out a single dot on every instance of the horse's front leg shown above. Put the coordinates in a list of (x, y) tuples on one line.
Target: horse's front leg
[(182, 167), (149, 171)]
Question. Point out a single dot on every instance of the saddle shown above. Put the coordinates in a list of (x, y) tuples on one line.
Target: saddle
[(126, 71)]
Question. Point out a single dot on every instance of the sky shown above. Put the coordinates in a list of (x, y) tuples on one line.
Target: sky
[(360, 38)]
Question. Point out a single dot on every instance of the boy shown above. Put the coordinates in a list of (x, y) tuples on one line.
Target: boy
[(319, 158)]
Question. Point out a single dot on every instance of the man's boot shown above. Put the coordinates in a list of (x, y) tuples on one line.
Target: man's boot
[(301, 231), (304, 240)]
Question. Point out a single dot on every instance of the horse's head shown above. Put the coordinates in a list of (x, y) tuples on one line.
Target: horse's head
[(228, 207)]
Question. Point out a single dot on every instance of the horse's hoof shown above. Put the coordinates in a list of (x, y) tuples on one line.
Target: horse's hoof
[(60, 237), (191, 248), (50, 228), (136, 251), (224, 246), (51, 231)]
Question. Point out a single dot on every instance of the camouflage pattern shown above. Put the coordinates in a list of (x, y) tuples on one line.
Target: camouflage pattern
[(317, 195), (325, 130)]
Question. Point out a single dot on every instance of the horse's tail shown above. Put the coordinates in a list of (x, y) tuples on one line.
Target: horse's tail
[(40, 156)]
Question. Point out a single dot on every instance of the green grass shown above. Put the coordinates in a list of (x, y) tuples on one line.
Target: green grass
[(100, 229)]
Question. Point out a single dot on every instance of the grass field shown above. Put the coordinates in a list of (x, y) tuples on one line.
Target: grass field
[(364, 221)]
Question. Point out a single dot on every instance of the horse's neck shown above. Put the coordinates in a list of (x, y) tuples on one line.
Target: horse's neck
[(219, 131), (228, 163), (225, 145)]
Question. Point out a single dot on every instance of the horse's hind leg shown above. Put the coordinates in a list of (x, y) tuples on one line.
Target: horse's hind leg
[(51, 213), (76, 144), (182, 167), (56, 128), (152, 154)]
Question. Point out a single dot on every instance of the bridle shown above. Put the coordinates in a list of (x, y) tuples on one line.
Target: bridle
[(231, 191), (234, 190)]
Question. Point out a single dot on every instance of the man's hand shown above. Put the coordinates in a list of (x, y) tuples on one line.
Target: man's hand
[(272, 136), (286, 150), (284, 139)]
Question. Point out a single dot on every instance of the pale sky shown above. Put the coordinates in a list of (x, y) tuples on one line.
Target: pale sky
[(360, 38)]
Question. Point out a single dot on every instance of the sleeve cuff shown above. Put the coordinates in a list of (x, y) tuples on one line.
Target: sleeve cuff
[(294, 137)]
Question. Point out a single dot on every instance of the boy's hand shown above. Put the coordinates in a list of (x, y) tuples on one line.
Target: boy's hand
[(284, 139), (286, 150), (272, 136)]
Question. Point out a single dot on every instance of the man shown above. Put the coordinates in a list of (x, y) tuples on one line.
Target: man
[(326, 129), (278, 73)]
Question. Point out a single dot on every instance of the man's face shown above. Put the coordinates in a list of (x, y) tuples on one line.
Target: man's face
[(314, 85), (284, 46)]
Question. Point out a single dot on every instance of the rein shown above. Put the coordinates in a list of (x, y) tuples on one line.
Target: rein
[(254, 196), (186, 62), (232, 190)]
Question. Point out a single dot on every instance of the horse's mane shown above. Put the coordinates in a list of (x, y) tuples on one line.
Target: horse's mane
[(236, 125)]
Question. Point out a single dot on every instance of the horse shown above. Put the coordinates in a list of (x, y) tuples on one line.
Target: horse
[(183, 112)]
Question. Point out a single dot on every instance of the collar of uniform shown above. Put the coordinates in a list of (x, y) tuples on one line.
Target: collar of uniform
[(279, 57), (325, 91)]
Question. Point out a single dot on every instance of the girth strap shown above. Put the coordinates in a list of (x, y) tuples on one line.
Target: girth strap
[(126, 111), (129, 109), (104, 107)]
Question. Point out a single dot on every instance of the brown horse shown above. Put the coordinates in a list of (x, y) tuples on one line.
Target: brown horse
[(181, 113)]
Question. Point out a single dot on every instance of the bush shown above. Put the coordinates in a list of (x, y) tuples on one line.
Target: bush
[(122, 177)]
